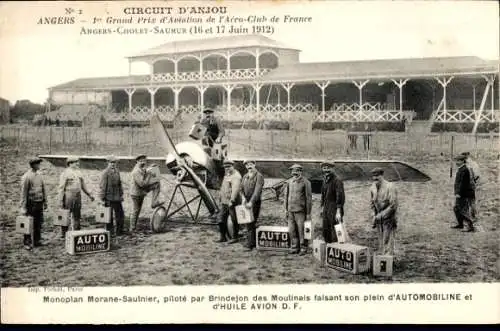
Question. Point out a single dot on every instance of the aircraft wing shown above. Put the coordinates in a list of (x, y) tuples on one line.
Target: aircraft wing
[(124, 163), (354, 170)]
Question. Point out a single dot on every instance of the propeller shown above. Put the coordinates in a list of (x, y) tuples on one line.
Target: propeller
[(169, 147)]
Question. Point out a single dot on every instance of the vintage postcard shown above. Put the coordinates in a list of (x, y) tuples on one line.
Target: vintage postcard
[(249, 162)]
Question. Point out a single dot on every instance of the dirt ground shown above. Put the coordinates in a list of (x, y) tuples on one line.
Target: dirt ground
[(427, 250)]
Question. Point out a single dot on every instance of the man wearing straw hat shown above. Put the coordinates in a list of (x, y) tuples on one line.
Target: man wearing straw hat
[(332, 202), (111, 195), (71, 185), (298, 205), (251, 189), (230, 198), (384, 204), (33, 201)]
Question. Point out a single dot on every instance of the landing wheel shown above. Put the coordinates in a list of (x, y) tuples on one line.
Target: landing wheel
[(158, 219)]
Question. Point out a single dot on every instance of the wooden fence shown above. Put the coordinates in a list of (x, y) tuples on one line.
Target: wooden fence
[(334, 144)]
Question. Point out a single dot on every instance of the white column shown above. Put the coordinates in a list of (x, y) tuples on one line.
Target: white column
[(287, 87), (444, 83), (176, 90), (201, 67), (474, 97), (176, 69), (152, 92), (257, 87), (360, 86), (229, 88), (202, 89), (400, 83), (130, 92), (257, 63), (323, 86)]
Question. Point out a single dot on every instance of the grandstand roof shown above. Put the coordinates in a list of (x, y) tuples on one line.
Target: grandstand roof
[(334, 71), (215, 43)]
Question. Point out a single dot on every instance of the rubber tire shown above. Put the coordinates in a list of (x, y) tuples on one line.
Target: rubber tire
[(158, 219)]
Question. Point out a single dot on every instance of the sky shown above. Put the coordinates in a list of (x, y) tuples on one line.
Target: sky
[(35, 56)]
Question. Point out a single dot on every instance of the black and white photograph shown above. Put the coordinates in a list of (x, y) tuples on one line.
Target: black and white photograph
[(225, 156)]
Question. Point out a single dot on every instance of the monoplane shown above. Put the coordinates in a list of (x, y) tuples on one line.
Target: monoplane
[(196, 170)]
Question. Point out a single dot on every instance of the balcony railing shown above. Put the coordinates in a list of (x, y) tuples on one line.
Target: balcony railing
[(466, 116), (210, 75)]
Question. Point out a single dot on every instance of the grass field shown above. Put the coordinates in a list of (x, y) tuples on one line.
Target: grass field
[(427, 249)]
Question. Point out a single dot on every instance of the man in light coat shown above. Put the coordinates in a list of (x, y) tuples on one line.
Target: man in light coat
[(33, 201), (143, 182), (71, 185), (384, 204), (111, 195), (298, 205), (251, 189)]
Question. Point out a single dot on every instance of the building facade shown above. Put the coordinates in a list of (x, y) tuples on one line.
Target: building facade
[(252, 78)]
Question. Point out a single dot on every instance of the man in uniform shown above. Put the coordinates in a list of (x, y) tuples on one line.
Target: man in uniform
[(215, 130), (384, 204), (464, 193), (251, 189), (475, 176), (143, 181), (298, 205), (230, 198), (71, 185), (111, 194), (33, 201), (332, 202)]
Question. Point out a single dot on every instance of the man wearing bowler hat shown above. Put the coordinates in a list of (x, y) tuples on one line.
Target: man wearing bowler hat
[(33, 201), (143, 181), (230, 198), (464, 194), (332, 202), (298, 205), (111, 194), (384, 204), (251, 189), (215, 130), (71, 185), (475, 176)]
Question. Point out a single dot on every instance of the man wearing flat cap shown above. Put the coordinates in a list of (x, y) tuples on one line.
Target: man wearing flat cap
[(230, 198), (111, 195), (215, 130), (475, 176), (143, 182), (464, 193), (298, 205), (251, 189), (71, 185), (33, 201), (384, 204), (332, 202)]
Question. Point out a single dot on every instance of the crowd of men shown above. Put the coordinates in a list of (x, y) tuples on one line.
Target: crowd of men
[(237, 190)]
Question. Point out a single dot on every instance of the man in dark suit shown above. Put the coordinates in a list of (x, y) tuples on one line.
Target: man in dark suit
[(111, 194), (251, 189), (464, 195), (332, 202)]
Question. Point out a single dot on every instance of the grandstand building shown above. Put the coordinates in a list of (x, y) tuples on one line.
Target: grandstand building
[(256, 81)]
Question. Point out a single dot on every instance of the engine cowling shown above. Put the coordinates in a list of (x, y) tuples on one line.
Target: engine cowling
[(193, 154)]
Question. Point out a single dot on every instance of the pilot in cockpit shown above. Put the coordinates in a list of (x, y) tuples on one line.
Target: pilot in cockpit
[(215, 130)]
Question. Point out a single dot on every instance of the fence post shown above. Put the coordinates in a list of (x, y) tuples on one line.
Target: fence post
[(131, 141), (272, 140), (475, 146), (50, 140)]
